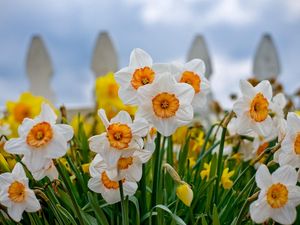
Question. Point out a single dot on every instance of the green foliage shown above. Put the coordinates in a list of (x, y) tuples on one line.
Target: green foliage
[(68, 201)]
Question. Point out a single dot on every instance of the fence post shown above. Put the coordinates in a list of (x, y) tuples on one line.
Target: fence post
[(199, 50), (266, 61), (105, 57), (39, 69)]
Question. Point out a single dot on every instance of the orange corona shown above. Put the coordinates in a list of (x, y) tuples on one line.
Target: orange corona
[(277, 195), (108, 183), (165, 105), (21, 111), (17, 192), (262, 148), (259, 108), (124, 163), (39, 135), (142, 76), (119, 135), (297, 144), (192, 79)]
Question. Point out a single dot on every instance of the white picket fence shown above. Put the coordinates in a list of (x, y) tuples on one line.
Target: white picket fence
[(105, 59)]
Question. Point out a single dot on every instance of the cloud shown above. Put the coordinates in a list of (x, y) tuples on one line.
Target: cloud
[(227, 74), (205, 13)]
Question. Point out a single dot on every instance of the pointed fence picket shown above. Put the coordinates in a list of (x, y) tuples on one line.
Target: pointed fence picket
[(105, 59)]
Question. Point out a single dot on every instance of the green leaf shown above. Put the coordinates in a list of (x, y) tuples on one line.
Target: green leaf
[(66, 214), (216, 220), (100, 216), (135, 202)]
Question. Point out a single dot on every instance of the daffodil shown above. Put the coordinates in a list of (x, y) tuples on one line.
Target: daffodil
[(225, 178), (252, 109), (48, 170), (106, 91), (40, 139), (277, 105), (138, 73), (179, 136), (16, 195), (289, 154), (77, 120), (279, 196), (192, 73), (166, 104), (122, 135), (206, 171), (28, 106), (101, 183), (185, 193)]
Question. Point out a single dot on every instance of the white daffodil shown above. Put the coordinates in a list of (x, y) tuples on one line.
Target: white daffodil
[(103, 184), (48, 170), (277, 105), (252, 109), (139, 72), (258, 146), (289, 154), (192, 73), (278, 196), (166, 104), (122, 135), (40, 139), (16, 195)]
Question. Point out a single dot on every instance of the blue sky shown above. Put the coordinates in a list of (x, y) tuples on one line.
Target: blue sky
[(165, 29)]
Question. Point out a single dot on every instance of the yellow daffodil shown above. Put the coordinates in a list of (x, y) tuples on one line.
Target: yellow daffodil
[(198, 142), (28, 106), (192, 161), (87, 126), (206, 171), (225, 179), (183, 190), (85, 167), (185, 193), (180, 135), (106, 91)]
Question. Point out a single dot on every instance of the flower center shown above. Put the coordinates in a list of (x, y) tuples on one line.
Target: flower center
[(124, 163), (39, 135), (262, 148), (142, 76), (17, 192), (21, 111), (277, 195), (119, 135), (297, 144), (108, 183), (165, 105), (112, 90), (259, 108), (192, 79)]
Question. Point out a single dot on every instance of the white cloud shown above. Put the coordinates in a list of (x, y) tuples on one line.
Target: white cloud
[(227, 74), (293, 8), (181, 12)]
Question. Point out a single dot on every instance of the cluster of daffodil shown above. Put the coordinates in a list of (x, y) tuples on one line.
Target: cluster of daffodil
[(149, 156), (164, 95), (260, 115)]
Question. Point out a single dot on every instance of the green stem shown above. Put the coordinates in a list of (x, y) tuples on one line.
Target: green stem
[(124, 206), (143, 191), (69, 189), (219, 165), (156, 172)]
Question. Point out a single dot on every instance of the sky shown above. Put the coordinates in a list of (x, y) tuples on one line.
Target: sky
[(164, 28)]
